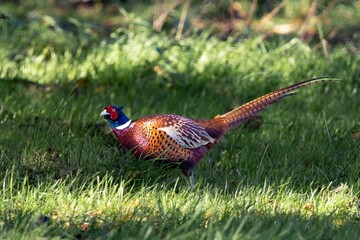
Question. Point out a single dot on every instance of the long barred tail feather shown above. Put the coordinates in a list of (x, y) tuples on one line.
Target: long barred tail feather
[(248, 110)]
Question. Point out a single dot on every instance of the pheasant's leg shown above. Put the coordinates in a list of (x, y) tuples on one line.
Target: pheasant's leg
[(192, 180), (186, 169)]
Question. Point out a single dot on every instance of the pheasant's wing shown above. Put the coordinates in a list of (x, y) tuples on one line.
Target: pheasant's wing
[(186, 132)]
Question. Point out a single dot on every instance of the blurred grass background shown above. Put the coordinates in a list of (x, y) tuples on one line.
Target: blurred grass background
[(291, 173)]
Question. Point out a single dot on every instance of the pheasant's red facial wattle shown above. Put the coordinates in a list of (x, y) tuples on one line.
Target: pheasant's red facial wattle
[(114, 115), (112, 112)]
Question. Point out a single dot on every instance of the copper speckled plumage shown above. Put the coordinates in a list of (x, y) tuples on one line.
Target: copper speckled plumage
[(184, 141)]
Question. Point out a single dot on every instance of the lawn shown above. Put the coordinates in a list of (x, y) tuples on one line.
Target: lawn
[(292, 173)]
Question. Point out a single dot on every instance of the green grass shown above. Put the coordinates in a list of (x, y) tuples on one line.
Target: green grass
[(63, 175)]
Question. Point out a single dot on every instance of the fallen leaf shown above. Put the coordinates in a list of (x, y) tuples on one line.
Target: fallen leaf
[(355, 135), (309, 207), (85, 226), (54, 215), (67, 225)]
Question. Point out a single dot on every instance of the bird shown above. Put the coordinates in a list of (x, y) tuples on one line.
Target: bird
[(181, 141)]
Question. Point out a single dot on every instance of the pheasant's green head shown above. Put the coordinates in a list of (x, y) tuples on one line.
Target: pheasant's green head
[(115, 116)]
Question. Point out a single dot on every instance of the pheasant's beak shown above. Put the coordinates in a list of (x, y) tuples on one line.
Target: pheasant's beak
[(104, 113)]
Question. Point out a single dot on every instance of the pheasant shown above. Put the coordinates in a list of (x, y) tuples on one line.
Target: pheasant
[(183, 141)]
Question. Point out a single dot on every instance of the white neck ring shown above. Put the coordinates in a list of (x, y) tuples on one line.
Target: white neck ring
[(123, 126)]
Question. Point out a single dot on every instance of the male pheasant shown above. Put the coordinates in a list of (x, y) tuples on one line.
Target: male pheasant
[(184, 141)]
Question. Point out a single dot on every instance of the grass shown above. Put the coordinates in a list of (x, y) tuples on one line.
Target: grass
[(62, 175), (106, 208)]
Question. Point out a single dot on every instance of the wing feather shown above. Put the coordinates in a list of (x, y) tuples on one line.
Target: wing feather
[(187, 133)]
